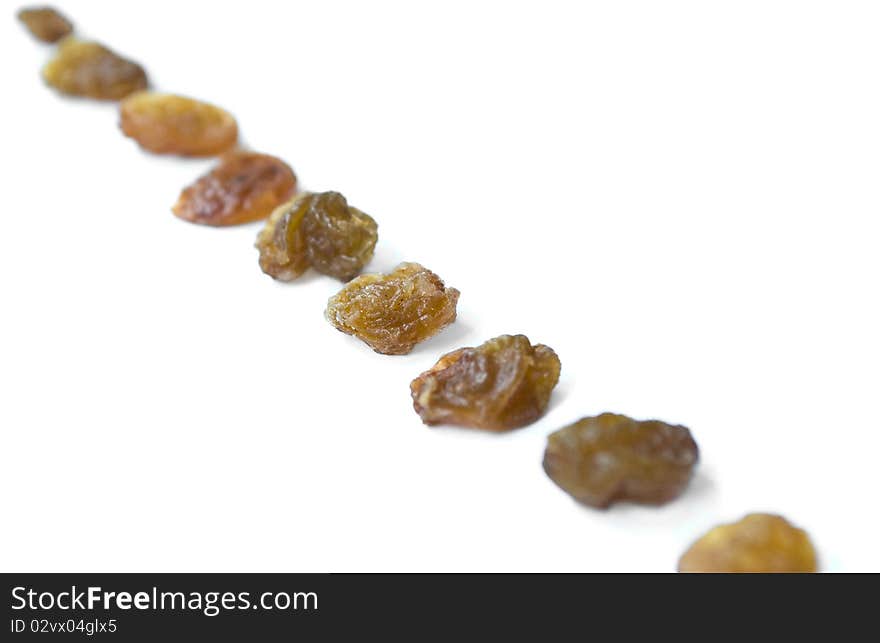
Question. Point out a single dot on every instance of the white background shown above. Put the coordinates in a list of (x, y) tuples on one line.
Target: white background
[(681, 198)]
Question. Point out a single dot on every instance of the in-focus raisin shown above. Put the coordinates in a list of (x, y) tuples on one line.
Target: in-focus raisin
[(319, 230), (395, 311), (243, 187), (502, 384), (610, 458), (757, 543), (339, 238), (45, 23), (171, 124), (89, 69)]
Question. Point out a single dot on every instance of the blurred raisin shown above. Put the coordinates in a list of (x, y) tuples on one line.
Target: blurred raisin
[(610, 458), (321, 230), (757, 543), (89, 69), (394, 312), (45, 23), (242, 187), (170, 124), (281, 244), (502, 384)]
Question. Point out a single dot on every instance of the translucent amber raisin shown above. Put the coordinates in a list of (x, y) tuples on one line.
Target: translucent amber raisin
[(89, 69), (757, 543), (319, 230), (394, 312), (170, 124), (339, 238), (45, 23), (283, 255), (502, 384), (610, 458), (243, 187)]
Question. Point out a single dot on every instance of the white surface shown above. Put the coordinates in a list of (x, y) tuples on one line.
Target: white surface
[(679, 197)]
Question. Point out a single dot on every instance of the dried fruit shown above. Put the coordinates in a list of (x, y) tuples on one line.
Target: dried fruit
[(339, 239), (502, 384), (282, 248), (170, 124), (394, 312), (45, 23), (242, 187), (757, 543), (610, 458), (319, 230), (89, 69)]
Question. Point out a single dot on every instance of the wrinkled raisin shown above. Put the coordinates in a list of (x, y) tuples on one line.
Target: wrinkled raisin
[(394, 312), (45, 23), (319, 230), (610, 458), (243, 187), (170, 124), (339, 239), (502, 384), (756, 543), (89, 69), (283, 255)]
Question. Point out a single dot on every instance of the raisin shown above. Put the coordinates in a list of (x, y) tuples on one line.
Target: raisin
[(170, 124), (319, 230), (282, 248), (757, 543), (339, 239), (609, 458), (45, 23), (89, 69), (502, 384), (394, 312), (243, 187)]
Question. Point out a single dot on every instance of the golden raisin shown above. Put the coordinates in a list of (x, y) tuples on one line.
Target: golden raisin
[(319, 230), (283, 254), (502, 384), (394, 312), (339, 239), (45, 23), (610, 458), (243, 187), (170, 124), (89, 69), (757, 543)]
